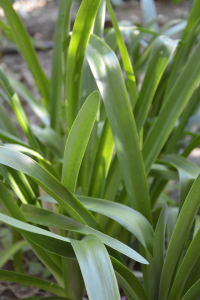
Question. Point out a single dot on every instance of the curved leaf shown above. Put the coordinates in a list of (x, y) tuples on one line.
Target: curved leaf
[(5, 135), (128, 281), (159, 246), (10, 251), (43, 238), (185, 268), (50, 139), (188, 172), (149, 12), (181, 230), (38, 108), (49, 184), (122, 214), (96, 268), (10, 205), (102, 162), (32, 281), (158, 60), (131, 82), (106, 70), (57, 63), (78, 139), (18, 109), (193, 292), (172, 109), (6, 123), (48, 218), (178, 131), (79, 40), (100, 19)]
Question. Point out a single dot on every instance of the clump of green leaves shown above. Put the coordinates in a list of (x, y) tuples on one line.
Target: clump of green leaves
[(98, 164)]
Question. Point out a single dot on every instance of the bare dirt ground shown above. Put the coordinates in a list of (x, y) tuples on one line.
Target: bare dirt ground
[(40, 24)]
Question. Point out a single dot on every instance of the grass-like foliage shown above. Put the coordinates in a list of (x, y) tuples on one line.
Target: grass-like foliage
[(85, 188)]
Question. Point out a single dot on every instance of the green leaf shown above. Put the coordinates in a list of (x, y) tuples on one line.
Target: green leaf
[(158, 60), (19, 183), (188, 172), (128, 281), (47, 218), (122, 214), (10, 205), (57, 63), (163, 172), (86, 169), (149, 12), (181, 230), (178, 131), (113, 180), (131, 82), (5, 135), (9, 252), (96, 268), (102, 162), (185, 268), (38, 108), (159, 246), (50, 139), (18, 109), (43, 238), (195, 143), (113, 91), (172, 109), (193, 292), (100, 19), (22, 40), (6, 122), (175, 29), (15, 212), (171, 222), (49, 184), (77, 141), (181, 57), (45, 163), (29, 280), (79, 40), (193, 17)]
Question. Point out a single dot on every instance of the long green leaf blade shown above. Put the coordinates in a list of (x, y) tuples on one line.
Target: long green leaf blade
[(10, 251), (49, 183), (183, 225), (193, 292), (131, 82), (158, 60), (57, 64), (77, 141), (172, 109), (96, 268), (137, 225), (102, 162), (10, 205), (188, 172), (47, 218), (18, 109), (185, 268), (79, 40), (159, 246), (112, 88), (32, 281)]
